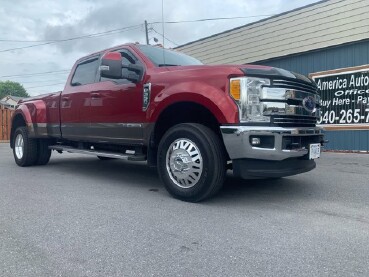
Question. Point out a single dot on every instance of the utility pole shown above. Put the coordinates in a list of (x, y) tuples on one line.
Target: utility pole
[(147, 33)]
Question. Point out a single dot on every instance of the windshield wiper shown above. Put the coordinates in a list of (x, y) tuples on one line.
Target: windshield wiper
[(167, 64)]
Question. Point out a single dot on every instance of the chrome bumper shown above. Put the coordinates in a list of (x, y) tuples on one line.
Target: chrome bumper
[(237, 142)]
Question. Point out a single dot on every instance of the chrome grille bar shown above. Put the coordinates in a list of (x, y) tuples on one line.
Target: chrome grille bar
[(284, 102), (273, 93), (294, 120), (297, 85), (282, 108)]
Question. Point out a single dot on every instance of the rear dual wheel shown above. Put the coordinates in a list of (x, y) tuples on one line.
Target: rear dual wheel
[(191, 162), (27, 151)]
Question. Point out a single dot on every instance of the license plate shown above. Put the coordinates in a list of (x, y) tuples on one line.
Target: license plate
[(314, 151)]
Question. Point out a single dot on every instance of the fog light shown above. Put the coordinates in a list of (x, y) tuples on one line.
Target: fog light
[(255, 141)]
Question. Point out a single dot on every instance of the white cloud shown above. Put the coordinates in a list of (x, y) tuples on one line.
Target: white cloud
[(51, 20)]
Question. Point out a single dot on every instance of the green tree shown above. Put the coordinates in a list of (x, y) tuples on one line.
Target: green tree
[(12, 88)]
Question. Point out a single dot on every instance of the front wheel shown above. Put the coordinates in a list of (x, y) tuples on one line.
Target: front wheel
[(191, 162)]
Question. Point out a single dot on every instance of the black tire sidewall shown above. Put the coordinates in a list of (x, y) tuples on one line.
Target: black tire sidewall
[(44, 153), (27, 158), (198, 191), (18, 161)]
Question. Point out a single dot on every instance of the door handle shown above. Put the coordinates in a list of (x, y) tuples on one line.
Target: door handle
[(95, 95)]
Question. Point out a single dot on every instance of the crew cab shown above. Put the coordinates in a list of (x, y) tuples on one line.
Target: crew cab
[(191, 121)]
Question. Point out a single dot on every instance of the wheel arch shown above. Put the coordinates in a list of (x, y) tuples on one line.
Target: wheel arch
[(17, 121), (177, 113)]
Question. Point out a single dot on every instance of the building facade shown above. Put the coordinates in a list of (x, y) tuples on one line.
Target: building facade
[(328, 41), (10, 101)]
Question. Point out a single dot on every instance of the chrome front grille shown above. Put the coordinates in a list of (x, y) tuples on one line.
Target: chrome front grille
[(291, 103), (289, 121), (296, 85)]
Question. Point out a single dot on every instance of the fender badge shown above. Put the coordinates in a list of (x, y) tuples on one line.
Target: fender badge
[(146, 96)]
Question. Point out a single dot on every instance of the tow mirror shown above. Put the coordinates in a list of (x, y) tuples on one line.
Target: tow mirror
[(133, 73), (111, 65)]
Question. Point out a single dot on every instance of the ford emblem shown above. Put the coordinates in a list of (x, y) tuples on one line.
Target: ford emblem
[(309, 104)]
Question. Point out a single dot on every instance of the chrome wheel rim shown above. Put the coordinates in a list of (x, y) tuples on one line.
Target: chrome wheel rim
[(184, 163), (19, 146)]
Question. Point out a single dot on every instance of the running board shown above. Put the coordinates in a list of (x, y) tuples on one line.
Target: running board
[(114, 155)]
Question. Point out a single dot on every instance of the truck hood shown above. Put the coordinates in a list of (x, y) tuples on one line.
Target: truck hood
[(247, 70)]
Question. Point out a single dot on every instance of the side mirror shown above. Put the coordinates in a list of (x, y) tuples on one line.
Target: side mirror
[(111, 65), (133, 73)]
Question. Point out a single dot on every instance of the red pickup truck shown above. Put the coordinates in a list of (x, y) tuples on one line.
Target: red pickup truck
[(192, 121)]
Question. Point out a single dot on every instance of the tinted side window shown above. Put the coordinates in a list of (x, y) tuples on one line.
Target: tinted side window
[(85, 73), (127, 59)]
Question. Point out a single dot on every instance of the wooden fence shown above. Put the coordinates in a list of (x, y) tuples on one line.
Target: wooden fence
[(5, 123)]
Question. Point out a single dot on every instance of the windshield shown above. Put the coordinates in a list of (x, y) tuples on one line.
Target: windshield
[(165, 57)]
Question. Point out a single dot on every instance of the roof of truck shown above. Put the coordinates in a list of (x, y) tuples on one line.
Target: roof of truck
[(105, 50)]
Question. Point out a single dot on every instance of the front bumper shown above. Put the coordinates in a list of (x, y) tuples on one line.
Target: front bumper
[(285, 154), (285, 142)]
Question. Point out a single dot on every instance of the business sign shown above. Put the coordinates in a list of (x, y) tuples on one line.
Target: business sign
[(344, 97)]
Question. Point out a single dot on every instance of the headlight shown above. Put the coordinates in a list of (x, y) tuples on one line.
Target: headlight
[(247, 91)]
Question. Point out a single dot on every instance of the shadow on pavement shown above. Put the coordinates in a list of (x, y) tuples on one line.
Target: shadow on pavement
[(138, 174)]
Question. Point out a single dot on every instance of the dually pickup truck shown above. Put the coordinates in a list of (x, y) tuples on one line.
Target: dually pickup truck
[(191, 121)]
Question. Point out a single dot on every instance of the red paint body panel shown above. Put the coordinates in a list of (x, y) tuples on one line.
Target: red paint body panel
[(205, 85), (25, 112), (52, 105), (40, 109), (117, 103), (112, 56), (110, 102)]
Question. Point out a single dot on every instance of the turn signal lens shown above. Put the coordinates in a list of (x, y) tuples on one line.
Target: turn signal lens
[(235, 89)]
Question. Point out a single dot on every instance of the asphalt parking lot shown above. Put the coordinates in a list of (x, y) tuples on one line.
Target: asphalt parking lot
[(79, 216)]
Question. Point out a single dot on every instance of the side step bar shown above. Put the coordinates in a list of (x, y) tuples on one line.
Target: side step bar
[(114, 155)]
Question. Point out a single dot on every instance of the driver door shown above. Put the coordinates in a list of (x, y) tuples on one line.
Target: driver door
[(116, 108)]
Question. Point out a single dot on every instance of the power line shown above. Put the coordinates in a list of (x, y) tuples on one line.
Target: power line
[(46, 85), (165, 37), (37, 73), (31, 76), (109, 32), (15, 40), (211, 19), (40, 81), (115, 31), (84, 36)]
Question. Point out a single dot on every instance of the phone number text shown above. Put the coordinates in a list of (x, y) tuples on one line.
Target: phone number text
[(345, 117)]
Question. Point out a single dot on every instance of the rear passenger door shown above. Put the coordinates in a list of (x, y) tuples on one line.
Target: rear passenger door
[(75, 106)]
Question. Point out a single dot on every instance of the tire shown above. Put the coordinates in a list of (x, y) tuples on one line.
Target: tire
[(105, 158), (25, 150), (44, 152), (191, 162)]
